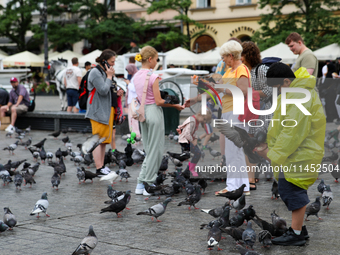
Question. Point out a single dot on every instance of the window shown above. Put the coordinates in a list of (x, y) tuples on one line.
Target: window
[(112, 5), (203, 3), (243, 1)]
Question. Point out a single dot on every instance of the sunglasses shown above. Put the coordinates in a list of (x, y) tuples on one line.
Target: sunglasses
[(13, 82)]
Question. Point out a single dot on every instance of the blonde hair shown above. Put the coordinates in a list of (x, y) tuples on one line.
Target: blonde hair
[(147, 52), (208, 115), (231, 47)]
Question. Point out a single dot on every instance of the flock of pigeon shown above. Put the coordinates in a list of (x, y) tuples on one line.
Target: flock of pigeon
[(181, 181)]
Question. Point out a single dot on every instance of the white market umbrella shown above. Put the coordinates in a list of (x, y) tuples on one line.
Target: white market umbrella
[(211, 57), (25, 58), (282, 51), (91, 57), (180, 56), (3, 53), (50, 54), (329, 52), (68, 55)]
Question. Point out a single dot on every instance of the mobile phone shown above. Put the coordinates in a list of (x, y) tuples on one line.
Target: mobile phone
[(105, 64)]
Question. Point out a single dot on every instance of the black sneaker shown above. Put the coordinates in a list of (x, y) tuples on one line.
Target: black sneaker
[(304, 232), (103, 171), (290, 239)]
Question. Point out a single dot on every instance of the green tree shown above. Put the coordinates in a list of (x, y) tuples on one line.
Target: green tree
[(16, 21), (61, 32), (174, 36), (312, 19)]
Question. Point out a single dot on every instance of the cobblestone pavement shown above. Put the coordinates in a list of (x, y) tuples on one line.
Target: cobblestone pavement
[(76, 206)]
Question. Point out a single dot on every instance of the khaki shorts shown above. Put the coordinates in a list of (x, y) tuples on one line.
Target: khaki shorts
[(21, 109)]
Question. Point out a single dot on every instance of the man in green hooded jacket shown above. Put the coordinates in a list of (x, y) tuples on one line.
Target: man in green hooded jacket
[(295, 146)]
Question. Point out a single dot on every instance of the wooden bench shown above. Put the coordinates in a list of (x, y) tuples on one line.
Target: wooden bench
[(53, 121)]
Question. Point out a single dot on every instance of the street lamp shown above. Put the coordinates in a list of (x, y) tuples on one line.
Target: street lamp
[(44, 25)]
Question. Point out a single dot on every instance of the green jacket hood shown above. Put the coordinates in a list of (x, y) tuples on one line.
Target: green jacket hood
[(303, 79)]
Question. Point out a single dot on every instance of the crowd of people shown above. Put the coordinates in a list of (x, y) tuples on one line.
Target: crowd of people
[(240, 66)]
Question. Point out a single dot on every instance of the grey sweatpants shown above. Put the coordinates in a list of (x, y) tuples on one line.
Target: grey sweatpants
[(153, 142)]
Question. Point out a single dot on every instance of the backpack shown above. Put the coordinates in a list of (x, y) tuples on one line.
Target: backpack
[(268, 61), (83, 91)]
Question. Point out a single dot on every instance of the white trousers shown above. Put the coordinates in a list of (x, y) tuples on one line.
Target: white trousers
[(235, 158)]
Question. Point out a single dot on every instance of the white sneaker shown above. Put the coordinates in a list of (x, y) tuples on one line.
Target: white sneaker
[(145, 193), (106, 170), (10, 128), (139, 189)]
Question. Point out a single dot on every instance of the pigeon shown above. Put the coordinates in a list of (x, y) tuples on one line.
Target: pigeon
[(28, 129), (55, 180), (68, 146), (41, 206), (9, 134), (77, 160), (265, 238), (80, 175), (237, 220), (327, 197), (64, 131), (65, 140), (214, 138), (277, 221), (336, 172), (274, 231), (43, 154), (321, 187), (249, 236), (240, 203), (249, 213), (9, 218), (3, 226), (275, 190), (241, 138), (176, 137), (40, 144), (55, 134), (49, 156), (28, 179), (160, 179), (138, 156), (89, 175), (123, 173), (60, 167), (156, 210), (233, 195), (164, 164), (91, 143), (35, 168), (35, 153), (113, 194), (193, 199), (87, 245), (118, 206), (180, 156), (18, 180), (214, 153), (234, 232), (189, 188), (214, 236), (12, 147), (244, 251), (19, 131), (171, 135), (111, 177), (58, 154), (176, 162), (16, 164), (27, 143), (6, 178), (216, 212), (203, 183)]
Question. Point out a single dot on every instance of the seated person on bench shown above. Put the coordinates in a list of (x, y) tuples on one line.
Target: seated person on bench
[(19, 102)]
